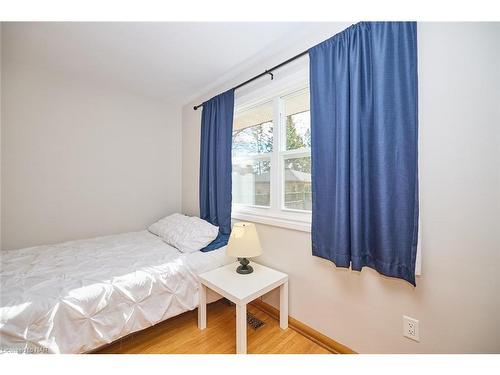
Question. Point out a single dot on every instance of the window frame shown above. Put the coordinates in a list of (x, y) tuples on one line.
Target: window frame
[(276, 214)]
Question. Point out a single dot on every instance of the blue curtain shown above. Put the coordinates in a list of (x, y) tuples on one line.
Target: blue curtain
[(215, 165), (363, 85)]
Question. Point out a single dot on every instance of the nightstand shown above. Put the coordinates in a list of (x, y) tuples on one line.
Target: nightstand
[(242, 289)]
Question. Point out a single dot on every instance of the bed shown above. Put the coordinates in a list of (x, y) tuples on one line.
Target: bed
[(76, 296)]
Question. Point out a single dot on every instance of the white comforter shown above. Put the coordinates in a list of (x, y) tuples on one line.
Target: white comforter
[(76, 296)]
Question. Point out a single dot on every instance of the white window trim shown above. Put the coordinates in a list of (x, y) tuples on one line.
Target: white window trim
[(276, 214), (283, 222)]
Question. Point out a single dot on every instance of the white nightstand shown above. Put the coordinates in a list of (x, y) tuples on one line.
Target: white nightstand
[(242, 289)]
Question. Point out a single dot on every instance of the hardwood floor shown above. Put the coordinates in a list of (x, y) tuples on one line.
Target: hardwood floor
[(180, 335)]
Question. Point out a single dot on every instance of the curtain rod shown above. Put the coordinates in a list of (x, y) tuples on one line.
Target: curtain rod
[(268, 71)]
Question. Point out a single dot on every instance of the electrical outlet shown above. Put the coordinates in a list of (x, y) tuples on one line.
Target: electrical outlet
[(410, 328)]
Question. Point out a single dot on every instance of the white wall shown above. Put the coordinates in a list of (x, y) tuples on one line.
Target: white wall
[(457, 298), (81, 159), (1, 116)]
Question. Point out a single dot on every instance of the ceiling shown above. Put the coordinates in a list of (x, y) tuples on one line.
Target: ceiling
[(170, 61)]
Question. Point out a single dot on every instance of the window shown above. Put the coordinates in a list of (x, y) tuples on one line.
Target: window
[(253, 140), (297, 152), (272, 160)]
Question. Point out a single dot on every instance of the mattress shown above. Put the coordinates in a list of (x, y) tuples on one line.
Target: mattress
[(76, 296)]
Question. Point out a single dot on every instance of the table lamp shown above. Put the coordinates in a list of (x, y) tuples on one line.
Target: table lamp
[(244, 243)]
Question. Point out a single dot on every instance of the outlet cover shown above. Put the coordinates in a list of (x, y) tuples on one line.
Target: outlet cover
[(410, 328)]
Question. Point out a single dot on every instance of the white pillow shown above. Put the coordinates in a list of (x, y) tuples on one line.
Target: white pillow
[(167, 223), (187, 234)]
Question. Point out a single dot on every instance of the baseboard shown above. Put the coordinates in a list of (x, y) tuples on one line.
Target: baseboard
[(313, 335)]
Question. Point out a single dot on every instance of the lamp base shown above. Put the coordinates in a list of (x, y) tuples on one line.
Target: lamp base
[(244, 269)]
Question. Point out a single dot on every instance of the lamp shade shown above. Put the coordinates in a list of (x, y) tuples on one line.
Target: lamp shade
[(244, 241)]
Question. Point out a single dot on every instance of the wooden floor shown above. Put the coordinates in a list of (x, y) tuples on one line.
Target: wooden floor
[(180, 335)]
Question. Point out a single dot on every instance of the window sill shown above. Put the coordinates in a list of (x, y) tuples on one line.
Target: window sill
[(275, 221)]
